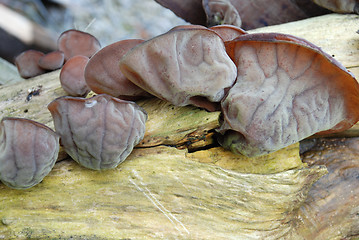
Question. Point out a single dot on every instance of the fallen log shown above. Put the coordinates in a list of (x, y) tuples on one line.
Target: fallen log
[(177, 184)]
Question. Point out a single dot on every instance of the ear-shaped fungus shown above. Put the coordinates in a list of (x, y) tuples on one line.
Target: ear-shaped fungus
[(28, 152), (26, 63), (184, 66), (286, 90), (52, 60), (103, 75), (72, 76), (73, 42), (98, 132)]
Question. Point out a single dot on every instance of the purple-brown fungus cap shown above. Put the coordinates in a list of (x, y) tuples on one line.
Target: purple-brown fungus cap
[(74, 42), (28, 152), (72, 76), (52, 60), (103, 75), (27, 63), (98, 132), (286, 90), (183, 66)]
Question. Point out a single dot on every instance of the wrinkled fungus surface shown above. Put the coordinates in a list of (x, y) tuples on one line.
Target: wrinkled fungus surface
[(184, 66), (28, 152), (98, 132), (285, 91)]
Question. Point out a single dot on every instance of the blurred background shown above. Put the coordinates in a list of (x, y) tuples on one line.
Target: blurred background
[(36, 24)]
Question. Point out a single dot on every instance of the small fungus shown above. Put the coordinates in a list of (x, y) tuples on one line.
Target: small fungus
[(26, 63), (52, 60), (286, 90), (28, 152), (72, 76), (73, 42), (184, 66), (99, 132), (103, 75)]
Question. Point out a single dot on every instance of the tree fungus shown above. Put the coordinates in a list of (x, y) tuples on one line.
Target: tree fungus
[(52, 60), (184, 66), (26, 64), (286, 90), (102, 73), (98, 132), (74, 42), (72, 76), (28, 152)]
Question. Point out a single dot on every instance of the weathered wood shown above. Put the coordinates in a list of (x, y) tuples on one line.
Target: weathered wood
[(14, 101), (157, 193), (162, 192), (332, 206), (176, 126)]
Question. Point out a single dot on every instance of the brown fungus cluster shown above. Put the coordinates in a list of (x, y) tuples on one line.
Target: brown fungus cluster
[(282, 89), (273, 90), (71, 43)]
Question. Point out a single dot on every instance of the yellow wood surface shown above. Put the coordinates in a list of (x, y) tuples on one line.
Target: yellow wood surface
[(157, 193), (162, 191)]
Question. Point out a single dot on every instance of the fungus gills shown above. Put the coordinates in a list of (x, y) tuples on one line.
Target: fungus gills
[(28, 152), (286, 90), (98, 132)]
